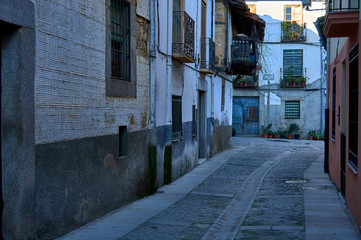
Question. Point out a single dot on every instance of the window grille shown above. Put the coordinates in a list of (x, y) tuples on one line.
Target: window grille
[(353, 108), (292, 109), (176, 117), (292, 62), (120, 39)]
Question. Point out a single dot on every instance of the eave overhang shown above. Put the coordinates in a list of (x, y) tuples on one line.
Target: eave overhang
[(341, 24)]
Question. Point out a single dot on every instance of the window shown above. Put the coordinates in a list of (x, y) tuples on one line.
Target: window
[(120, 38), (176, 117), (353, 108), (194, 121), (334, 103), (120, 49), (292, 109), (292, 62), (252, 8), (223, 94), (293, 14)]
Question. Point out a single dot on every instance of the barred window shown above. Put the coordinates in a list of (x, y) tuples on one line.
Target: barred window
[(292, 109), (120, 39)]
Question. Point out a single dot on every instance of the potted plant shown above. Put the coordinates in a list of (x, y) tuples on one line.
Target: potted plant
[(265, 130), (270, 134), (247, 82), (311, 134), (294, 127), (303, 81), (276, 134)]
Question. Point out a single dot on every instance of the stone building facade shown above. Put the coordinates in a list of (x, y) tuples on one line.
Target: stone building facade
[(99, 108)]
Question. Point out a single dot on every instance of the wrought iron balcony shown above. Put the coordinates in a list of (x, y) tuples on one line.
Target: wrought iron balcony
[(243, 56), (292, 32), (245, 81), (183, 37), (343, 5), (342, 18), (207, 58)]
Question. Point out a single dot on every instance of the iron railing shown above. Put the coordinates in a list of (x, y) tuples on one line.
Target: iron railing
[(208, 57), (292, 32), (343, 5), (245, 81), (183, 36), (243, 50)]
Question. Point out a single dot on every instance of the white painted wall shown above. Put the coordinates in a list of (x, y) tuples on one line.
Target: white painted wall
[(70, 99)]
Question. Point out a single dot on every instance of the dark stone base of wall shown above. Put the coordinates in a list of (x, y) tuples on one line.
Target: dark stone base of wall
[(80, 180), (221, 138)]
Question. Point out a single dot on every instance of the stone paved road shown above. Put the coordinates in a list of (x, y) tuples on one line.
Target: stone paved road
[(256, 194), (260, 190)]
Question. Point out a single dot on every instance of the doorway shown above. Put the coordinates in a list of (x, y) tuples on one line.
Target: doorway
[(201, 116), (245, 119)]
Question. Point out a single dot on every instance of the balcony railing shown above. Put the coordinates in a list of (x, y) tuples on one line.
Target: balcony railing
[(292, 32), (343, 5), (243, 55), (245, 81), (183, 37), (293, 82), (207, 58)]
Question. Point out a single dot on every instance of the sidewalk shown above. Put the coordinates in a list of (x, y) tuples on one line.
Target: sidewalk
[(326, 216), (120, 222)]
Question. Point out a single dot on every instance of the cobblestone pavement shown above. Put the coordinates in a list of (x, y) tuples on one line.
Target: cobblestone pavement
[(255, 192)]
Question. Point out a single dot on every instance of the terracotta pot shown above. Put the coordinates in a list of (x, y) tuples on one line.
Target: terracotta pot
[(303, 84), (310, 138), (289, 136), (269, 135), (275, 136), (264, 135)]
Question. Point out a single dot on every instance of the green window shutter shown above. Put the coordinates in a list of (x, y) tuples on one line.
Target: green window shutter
[(292, 62), (292, 109)]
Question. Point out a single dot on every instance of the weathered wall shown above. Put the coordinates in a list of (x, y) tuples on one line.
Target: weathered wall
[(17, 64)]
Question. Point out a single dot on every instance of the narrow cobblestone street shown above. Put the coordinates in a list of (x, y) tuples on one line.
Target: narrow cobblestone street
[(259, 189)]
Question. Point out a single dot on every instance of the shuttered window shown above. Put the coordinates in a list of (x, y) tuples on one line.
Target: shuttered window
[(334, 104), (176, 117), (292, 109), (292, 62)]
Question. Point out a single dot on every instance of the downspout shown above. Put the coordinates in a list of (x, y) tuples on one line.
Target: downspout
[(152, 61), (212, 76), (169, 66)]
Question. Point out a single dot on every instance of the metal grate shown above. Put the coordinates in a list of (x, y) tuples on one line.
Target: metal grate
[(183, 34), (176, 117), (292, 109), (243, 49), (207, 58), (120, 39), (292, 32), (292, 62)]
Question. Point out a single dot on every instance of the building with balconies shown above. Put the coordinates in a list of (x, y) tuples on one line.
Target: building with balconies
[(341, 28), (285, 82)]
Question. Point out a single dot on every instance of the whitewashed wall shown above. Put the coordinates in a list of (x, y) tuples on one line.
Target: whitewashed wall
[(70, 99)]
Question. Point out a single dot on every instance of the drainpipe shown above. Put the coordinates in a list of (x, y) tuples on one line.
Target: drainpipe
[(226, 25), (169, 65), (152, 61)]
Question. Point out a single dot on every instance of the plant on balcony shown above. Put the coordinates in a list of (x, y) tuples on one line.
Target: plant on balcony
[(292, 31)]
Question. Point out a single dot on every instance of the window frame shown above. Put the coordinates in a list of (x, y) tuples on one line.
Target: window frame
[(288, 104), (114, 87), (333, 110), (285, 69)]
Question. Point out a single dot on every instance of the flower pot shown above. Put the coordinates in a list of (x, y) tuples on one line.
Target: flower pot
[(264, 135), (294, 84), (310, 138), (270, 135), (289, 136), (303, 84), (275, 136)]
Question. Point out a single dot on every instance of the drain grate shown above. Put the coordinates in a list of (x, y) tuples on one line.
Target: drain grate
[(296, 181)]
